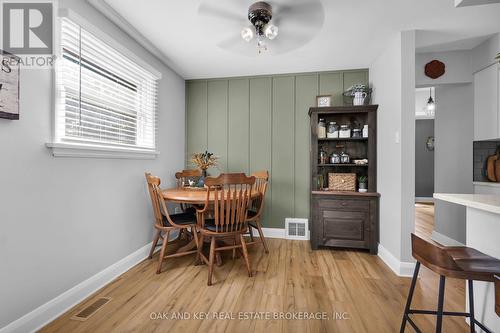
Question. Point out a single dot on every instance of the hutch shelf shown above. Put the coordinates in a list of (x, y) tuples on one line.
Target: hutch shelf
[(345, 219)]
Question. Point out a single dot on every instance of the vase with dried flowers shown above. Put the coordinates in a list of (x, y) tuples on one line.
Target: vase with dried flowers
[(203, 161)]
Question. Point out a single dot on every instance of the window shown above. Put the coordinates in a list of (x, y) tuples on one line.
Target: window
[(104, 99)]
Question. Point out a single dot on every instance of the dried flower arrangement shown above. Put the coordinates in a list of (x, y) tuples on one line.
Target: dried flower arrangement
[(204, 160)]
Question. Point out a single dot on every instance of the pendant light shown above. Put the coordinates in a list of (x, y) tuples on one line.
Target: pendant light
[(430, 109)]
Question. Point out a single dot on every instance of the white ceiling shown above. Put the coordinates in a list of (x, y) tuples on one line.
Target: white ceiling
[(352, 35)]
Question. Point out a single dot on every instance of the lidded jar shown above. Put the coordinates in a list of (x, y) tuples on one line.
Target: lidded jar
[(333, 130)]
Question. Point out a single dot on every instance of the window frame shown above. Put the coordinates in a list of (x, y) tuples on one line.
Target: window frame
[(60, 148)]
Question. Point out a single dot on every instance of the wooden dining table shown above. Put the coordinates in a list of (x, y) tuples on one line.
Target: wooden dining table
[(195, 196)]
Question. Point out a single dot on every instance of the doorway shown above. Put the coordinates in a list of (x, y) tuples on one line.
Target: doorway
[(425, 108)]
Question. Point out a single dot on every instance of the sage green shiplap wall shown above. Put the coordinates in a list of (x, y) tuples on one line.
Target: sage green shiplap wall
[(255, 123)]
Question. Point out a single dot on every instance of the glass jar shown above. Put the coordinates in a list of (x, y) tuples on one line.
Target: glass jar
[(333, 130), (335, 158), (323, 157), (356, 133), (344, 158), (345, 131), (321, 129)]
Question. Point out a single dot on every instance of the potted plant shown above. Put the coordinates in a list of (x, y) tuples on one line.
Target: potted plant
[(203, 161), (358, 94), (498, 57), (363, 183)]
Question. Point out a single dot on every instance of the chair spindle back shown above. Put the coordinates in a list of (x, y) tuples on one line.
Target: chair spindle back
[(232, 197)]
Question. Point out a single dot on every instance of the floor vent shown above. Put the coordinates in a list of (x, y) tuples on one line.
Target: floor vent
[(90, 310), (296, 229)]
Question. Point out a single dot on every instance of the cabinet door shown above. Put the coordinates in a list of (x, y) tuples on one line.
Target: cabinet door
[(344, 223), (486, 120)]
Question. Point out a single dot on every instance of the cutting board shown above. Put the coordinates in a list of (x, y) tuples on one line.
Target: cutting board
[(493, 168)]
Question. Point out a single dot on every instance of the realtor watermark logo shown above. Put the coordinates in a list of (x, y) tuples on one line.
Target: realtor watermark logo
[(27, 32)]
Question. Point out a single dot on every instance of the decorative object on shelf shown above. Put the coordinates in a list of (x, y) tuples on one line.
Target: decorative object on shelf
[(429, 144), (358, 94), (359, 98), (345, 158), (434, 69), (324, 100), (321, 182), (362, 184), (356, 133), (204, 161), (342, 182), (345, 132), (430, 108), (335, 158), (333, 130), (323, 156), (9, 86), (365, 131), (321, 129), (363, 161)]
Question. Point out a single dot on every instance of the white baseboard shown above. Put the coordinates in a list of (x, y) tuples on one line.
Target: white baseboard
[(424, 199), (271, 232), (276, 233), (49, 311), (444, 240), (398, 267)]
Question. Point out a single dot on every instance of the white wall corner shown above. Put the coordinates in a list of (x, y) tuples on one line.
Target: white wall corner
[(403, 269), (44, 314), (445, 240)]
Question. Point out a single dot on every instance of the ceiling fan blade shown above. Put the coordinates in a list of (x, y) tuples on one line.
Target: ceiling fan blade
[(306, 13), (220, 12)]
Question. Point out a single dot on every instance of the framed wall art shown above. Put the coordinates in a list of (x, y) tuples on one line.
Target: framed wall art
[(324, 100), (9, 86)]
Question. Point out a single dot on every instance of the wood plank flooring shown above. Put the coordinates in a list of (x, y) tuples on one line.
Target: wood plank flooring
[(357, 292), (424, 219)]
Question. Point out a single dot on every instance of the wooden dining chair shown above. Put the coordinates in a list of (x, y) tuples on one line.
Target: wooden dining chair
[(183, 178), (185, 175), (257, 207), (165, 222), (231, 193)]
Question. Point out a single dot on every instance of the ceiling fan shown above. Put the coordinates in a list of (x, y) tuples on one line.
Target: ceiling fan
[(296, 22)]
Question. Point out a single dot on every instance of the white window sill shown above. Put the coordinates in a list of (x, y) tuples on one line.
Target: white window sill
[(61, 149)]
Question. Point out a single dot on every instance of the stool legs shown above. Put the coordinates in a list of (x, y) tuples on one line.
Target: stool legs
[(439, 321), (410, 296), (471, 306)]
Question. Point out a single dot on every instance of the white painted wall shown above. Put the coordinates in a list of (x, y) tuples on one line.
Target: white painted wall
[(453, 156), (457, 65), (65, 219), (484, 54), (392, 76)]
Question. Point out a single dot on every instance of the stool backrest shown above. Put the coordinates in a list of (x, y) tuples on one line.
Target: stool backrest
[(432, 254)]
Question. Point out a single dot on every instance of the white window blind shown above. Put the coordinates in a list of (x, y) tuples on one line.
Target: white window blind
[(104, 98)]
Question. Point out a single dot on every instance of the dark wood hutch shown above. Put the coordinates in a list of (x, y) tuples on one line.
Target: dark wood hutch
[(348, 219)]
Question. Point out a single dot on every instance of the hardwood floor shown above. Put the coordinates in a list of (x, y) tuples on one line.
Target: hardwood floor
[(424, 219), (364, 293)]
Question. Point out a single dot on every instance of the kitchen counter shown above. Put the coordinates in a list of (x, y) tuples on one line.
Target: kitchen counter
[(483, 234), (487, 202)]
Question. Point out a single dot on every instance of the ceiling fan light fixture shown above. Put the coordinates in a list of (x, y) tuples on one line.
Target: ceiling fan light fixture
[(247, 34), (271, 31)]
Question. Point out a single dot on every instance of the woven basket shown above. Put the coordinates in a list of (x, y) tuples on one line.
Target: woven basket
[(342, 181)]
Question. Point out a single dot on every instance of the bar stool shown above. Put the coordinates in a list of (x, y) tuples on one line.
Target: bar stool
[(456, 262)]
